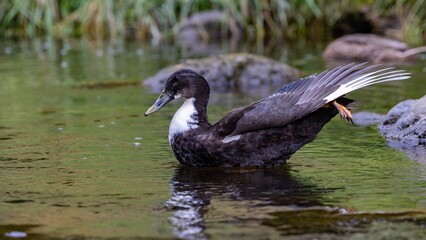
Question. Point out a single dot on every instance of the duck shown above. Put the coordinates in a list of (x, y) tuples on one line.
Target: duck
[(266, 132)]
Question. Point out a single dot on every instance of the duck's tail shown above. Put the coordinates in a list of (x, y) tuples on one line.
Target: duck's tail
[(365, 77)]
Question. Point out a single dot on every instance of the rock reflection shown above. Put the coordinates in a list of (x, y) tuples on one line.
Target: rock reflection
[(192, 189)]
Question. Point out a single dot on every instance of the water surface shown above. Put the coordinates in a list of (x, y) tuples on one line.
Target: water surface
[(78, 159)]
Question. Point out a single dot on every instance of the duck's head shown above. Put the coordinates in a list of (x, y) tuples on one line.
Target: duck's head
[(184, 83)]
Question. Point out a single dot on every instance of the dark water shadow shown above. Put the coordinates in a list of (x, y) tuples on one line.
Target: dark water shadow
[(192, 189), (294, 206)]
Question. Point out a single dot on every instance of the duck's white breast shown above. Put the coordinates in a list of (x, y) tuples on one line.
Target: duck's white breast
[(184, 119)]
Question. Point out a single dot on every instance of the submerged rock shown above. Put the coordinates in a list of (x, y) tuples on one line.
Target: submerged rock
[(371, 48), (244, 72), (405, 128), (367, 118)]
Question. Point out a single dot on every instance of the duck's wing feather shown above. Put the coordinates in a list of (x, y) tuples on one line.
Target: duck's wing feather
[(304, 96)]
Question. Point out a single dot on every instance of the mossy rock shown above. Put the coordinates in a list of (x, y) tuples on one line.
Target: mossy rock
[(240, 71)]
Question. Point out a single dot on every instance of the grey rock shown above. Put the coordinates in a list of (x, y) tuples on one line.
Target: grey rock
[(405, 128), (371, 48), (232, 72), (413, 150), (367, 118)]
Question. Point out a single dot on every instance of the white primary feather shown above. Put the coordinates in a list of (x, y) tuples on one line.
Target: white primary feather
[(379, 76), (183, 120)]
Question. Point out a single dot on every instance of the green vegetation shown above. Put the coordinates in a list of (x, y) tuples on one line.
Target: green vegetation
[(158, 20)]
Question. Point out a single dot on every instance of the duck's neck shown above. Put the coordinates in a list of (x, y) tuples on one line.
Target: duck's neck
[(192, 114)]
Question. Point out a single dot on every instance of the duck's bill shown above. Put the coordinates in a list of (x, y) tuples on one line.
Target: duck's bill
[(162, 100)]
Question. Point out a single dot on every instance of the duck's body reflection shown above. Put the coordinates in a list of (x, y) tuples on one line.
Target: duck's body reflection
[(192, 190)]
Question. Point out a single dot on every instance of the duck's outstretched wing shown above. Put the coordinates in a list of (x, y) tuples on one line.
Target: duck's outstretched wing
[(304, 96)]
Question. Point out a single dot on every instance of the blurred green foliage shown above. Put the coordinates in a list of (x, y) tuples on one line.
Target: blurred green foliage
[(158, 20)]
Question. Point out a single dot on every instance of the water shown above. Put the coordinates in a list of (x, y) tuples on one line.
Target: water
[(79, 160)]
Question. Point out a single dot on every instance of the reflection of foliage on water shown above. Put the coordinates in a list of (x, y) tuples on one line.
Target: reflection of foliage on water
[(158, 19), (339, 221)]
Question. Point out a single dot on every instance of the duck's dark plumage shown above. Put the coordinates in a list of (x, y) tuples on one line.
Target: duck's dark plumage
[(268, 131), (264, 147)]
